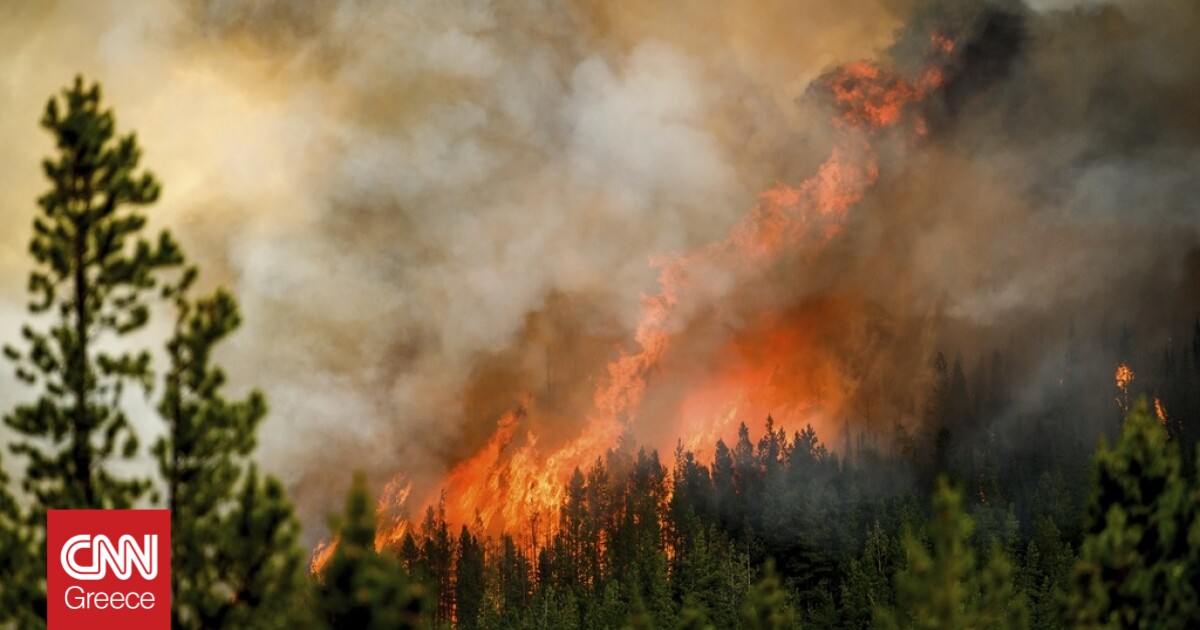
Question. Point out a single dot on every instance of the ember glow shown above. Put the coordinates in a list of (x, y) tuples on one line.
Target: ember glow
[(1160, 411), (514, 480), (1124, 376)]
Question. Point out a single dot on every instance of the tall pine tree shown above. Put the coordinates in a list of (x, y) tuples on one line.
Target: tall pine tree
[(93, 268), (234, 549)]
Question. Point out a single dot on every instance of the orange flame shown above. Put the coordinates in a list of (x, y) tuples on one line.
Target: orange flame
[(514, 481), (321, 555), (1160, 411), (1123, 376)]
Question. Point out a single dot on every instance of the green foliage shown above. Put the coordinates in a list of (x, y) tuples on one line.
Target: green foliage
[(869, 583), (469, 584), (639, 617), (22, 580), (1045, 574), (942, 587), (93, 266), (92, 269), (1140, 560), (235, 554), (767, 606), (256, 578), (693, 616), (361, 589)]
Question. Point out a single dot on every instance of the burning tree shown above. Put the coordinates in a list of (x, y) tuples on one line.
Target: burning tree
[(361, 588), (1123, 376)]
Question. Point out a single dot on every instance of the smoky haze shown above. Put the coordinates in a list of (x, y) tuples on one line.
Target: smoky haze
[(433, 212)]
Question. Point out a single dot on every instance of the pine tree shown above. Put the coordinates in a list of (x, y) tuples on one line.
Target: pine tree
[(868, 585), (437, 561), (22, 585), (361, 589), (942, 588), (639, 617), (259, 566), (235, 558), (693, 616), (767, 606), (93, 267), (469, 586), (723, 487), (1140, 559), (514, 585), (92, 270)]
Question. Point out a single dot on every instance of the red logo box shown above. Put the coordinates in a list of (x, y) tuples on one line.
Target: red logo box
[(108, 569)]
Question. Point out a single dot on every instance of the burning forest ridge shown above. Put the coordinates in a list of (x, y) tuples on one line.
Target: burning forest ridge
[(513, 480)]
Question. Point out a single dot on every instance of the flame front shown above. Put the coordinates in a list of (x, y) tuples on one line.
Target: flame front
[(514, 482)]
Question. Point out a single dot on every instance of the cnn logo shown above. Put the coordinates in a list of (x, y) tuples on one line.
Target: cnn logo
[(122, 557), (113, 569)]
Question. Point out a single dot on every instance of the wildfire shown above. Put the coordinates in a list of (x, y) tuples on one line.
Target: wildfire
[(1123, 376), (515, 481), (872, 97), (322, 554), (1160, 411), (392, 513)]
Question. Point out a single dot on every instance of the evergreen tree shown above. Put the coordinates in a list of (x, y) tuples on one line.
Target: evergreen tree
[(437, 561), (1140, 559), (639, 617), (258, 578), (92, 270), (233, 550), (941, 588), (361, 589), (22, 585), (723, 487), (693, 617), (469, 586), (514, 585), (93, 267), (767, 606), (868, 585)]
